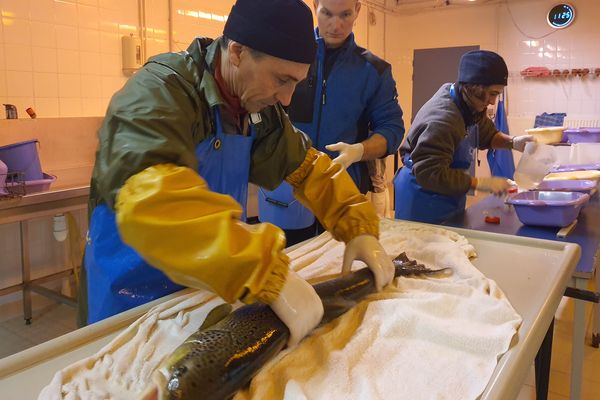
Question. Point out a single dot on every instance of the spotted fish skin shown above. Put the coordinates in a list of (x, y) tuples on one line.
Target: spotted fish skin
[(214, 363)]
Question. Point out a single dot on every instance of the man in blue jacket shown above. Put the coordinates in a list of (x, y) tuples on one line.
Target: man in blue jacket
[(347, 105)]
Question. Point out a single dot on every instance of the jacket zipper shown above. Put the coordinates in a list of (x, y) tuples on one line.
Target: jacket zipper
[(323, 102)]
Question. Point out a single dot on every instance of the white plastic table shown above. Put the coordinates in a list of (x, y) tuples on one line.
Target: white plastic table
[(532, 272)]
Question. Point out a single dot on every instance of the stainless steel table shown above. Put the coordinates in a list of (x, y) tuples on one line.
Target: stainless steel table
[(586, 234), (40, 205), (532, 273)]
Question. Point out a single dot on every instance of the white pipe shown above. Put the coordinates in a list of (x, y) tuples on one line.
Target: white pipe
[(401, 7), (60, 229), (170, 26), (140, 24), (145, 33)]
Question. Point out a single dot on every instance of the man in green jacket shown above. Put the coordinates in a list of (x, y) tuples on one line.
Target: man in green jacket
[(177, 148)]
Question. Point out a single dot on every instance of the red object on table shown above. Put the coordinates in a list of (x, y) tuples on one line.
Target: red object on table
[(492, 219)]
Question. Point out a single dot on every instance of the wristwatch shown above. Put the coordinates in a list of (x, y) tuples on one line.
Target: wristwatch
[(511, 142)]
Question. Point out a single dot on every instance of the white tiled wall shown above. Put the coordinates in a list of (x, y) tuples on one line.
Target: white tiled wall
[(63, 57), (198, 17), (509, 28), (578, 46)]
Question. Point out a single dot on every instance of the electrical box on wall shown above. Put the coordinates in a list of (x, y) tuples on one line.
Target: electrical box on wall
[(132, 54)]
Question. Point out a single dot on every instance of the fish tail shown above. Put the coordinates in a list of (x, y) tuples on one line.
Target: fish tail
[(406, 266)]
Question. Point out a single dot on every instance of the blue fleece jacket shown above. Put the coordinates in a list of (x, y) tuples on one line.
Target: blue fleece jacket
[(355, 99)]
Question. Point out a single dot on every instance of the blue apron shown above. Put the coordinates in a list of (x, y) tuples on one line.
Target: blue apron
[(117, 277), (280, 208), (414, 203)]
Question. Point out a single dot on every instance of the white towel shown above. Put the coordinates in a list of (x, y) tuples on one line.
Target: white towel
[(425, 338), (434, 338), (122, 369)]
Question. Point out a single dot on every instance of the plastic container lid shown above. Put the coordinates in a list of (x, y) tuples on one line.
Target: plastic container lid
[(582, 135), (575, 185), (576, 167), (547, 198)]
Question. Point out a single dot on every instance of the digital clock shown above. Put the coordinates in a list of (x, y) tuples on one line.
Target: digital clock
[(561, 15)]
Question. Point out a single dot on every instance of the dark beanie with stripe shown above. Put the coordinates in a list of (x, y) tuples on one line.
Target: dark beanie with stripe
[(280, 28)]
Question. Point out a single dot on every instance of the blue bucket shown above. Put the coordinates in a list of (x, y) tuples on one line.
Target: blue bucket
[(23, 157)]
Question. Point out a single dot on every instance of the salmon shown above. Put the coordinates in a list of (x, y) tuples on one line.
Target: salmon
[(220, 359)]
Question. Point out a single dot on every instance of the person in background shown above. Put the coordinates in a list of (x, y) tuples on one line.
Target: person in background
[(178, 146), (379, 192), (440, 145), (347, 105)]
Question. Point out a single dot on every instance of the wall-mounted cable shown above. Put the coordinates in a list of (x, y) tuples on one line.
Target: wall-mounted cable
[(512, 18)]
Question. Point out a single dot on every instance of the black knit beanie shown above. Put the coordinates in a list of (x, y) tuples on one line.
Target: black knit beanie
[(280, 28), (482, 67)]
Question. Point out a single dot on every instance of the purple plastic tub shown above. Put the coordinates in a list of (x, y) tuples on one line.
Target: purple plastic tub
[(582, 135), (548, 208), (35, 186), (23, 157), (575, 185), (576, 167)]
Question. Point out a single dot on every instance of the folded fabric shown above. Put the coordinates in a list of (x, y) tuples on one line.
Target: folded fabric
[(546, 119), (425, 338), (122, 369), (432, 337)]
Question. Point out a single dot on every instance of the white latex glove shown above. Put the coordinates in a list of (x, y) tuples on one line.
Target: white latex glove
[(519, 142), (494, 184), (349, 153), (299, 307), (367, 248)]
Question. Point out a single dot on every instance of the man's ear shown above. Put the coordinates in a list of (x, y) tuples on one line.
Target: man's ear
[(234, 50)]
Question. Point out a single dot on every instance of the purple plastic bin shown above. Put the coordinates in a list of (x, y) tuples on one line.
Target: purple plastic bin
[(574, 185), (548, 208), (581, 135), (576, 167), (23, 157), (38, 185)]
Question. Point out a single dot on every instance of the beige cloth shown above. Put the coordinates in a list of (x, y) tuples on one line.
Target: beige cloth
[(561, 176), (422, 338), (122, 369)]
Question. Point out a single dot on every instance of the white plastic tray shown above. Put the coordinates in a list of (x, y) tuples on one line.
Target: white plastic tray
[(533, 273)]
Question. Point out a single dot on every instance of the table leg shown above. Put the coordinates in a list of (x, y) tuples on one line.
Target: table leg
[(596, 307), (25, 270), (542, 365), (578, 343)]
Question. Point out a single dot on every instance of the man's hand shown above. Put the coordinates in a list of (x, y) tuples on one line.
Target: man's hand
[(519, 142), (367, 248), (349, 153), (298, 307), (494, 184)]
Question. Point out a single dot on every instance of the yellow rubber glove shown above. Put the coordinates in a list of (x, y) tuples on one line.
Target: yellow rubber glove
[(332, 196), (171, 218)]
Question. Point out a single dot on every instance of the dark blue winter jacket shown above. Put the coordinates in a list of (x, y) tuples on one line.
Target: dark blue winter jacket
[(356, 98)]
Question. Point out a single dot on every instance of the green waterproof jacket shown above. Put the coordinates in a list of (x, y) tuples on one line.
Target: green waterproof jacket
[(164, 111)]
